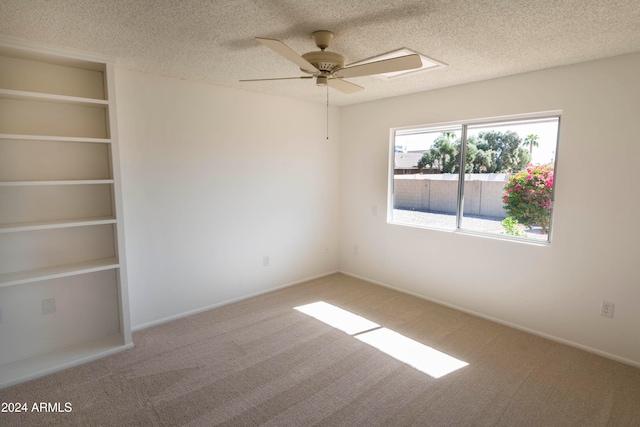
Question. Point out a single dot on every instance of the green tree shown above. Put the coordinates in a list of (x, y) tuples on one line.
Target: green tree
[(472, 153), (479, 159), (489, 152), (444, 152), (505, 149), (426, 161), (451, 136), (530, 141), (441, 155)]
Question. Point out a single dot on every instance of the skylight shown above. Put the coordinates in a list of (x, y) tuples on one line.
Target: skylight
[(428, 64)]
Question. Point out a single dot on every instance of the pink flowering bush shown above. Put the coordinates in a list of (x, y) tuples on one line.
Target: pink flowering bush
[(527, 196)]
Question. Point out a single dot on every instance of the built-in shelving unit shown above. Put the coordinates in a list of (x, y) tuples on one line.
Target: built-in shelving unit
[(62, 223), (63, 287)]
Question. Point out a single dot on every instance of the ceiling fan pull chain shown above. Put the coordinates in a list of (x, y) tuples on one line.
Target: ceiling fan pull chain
[(327, 112)]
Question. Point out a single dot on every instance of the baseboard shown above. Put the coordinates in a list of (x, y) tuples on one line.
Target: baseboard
[(227, 302), (60, 359), (502, 322)]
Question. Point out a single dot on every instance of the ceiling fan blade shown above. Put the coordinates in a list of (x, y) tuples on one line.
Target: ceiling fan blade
[(408, 62), (344, 86), (277, 78), (290, 54)]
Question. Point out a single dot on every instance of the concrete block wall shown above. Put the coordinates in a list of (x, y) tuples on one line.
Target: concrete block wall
[(411, 194), (443, 196), (431, 193)]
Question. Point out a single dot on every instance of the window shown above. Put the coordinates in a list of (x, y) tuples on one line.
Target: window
[(508, 167)]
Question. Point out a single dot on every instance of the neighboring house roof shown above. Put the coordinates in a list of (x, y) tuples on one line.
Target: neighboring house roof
[(407, 160)]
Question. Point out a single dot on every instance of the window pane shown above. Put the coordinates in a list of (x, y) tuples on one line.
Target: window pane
[(425, 184), (509, 178)]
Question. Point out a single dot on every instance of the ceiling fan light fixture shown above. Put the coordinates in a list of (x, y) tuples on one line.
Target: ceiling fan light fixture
[(321, 80), (428, 64)]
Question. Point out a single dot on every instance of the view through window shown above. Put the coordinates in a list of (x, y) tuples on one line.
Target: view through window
[(508, 168)]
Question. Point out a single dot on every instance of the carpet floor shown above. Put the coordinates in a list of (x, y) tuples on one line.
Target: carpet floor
[(261, 361)]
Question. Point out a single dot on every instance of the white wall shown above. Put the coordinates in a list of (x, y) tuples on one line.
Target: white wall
[(554, 290), (213, 180)]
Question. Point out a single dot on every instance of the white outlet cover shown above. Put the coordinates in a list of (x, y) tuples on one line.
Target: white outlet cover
[(607, 309), (48, 306)]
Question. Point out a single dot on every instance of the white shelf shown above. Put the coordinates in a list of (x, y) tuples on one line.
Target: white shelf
[(57, 360), (65, 182), (59, 207), (46, 273), (65, 223), (13, 136), (46, 97)]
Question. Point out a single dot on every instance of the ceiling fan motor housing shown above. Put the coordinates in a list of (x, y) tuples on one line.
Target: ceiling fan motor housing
[(324, 61)]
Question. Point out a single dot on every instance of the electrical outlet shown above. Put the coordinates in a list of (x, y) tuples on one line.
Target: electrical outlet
[(48, 306), (606, 309), (265, 261), (374, 210), (355, 249)]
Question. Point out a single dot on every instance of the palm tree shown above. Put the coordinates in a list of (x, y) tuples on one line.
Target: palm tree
[(450, 135), (531, 140)]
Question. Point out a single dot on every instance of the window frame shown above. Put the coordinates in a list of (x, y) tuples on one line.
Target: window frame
[(463, 125)]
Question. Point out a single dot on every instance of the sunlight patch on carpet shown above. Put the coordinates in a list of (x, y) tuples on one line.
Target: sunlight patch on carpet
[(343, 320), (423, 358)]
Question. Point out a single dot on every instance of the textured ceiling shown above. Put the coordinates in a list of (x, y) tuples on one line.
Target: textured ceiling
[(212, 41)]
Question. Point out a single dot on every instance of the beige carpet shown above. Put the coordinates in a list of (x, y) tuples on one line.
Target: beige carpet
[(261, 362)]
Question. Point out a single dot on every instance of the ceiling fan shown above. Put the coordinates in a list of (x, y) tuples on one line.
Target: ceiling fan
[(328, 67)]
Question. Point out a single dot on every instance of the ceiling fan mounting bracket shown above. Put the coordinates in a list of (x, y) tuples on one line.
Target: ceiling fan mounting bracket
[(323, 38)]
